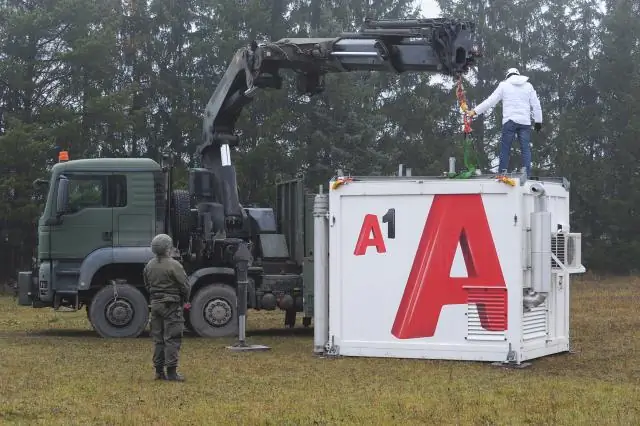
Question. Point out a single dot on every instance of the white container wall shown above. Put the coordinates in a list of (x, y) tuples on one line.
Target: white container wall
[(442, 269)]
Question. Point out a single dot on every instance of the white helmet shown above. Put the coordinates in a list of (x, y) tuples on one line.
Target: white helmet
[(512, 71)]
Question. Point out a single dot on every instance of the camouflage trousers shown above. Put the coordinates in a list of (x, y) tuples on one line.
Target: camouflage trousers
[(167, 324)]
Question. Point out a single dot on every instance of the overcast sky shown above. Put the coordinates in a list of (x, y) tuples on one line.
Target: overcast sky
[(429, 8)]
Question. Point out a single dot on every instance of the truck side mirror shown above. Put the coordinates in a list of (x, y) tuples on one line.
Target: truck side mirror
[(39, 183), (62, 200)]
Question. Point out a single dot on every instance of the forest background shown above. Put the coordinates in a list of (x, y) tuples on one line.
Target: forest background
[(131, 78)]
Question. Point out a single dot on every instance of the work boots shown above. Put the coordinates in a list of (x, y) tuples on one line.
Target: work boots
[(173, 375), (160, 374)]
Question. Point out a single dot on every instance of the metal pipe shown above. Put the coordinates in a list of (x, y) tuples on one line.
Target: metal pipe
[(540, 248), (365, 54), (427, 23), (540, 201), (320, 273), (241, 259), (242, 267), (242, 321), (452, 165)]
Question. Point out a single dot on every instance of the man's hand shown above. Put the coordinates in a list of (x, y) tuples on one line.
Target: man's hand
[(471, 113), (537, 126)]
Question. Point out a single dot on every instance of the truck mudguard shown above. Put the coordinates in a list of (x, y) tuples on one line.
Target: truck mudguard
[(193, 278), (110, 255)]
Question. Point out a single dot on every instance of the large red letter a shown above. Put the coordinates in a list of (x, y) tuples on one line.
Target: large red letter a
[(452, 219), (370, 225)]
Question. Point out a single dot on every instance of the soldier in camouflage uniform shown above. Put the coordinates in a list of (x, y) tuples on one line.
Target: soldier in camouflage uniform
[(166, 282)]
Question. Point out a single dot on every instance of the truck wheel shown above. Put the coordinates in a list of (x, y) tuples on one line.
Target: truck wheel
[(124, 316), (180, 217), (213, 311), (89, 318)]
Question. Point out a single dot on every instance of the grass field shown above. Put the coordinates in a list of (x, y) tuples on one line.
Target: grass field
[(54, 370)]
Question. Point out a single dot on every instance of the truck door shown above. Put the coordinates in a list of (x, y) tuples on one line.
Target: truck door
[(87, 224), (134, 209)]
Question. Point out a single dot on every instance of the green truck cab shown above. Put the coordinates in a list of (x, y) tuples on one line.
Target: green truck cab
[(94, 240)]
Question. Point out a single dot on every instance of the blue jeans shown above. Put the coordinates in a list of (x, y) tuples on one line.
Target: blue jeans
[(509, 131)]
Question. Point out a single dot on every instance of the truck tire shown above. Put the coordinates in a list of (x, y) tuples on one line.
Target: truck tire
[(214, 311), (89, 318), (180, 217), (123, 317)]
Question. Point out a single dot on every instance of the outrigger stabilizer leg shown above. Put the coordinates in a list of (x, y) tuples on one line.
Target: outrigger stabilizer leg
[(242, 256)]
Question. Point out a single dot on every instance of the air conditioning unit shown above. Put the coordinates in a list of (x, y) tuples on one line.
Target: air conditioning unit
[(567, 249)]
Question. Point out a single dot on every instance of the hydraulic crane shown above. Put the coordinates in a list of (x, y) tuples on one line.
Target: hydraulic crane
[(439, 45)]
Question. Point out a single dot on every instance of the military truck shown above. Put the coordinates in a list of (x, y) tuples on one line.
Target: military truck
[(93, 242), (101, 214)]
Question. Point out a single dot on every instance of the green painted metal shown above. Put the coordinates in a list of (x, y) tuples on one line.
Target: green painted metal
[(294, 215), (470, 160)]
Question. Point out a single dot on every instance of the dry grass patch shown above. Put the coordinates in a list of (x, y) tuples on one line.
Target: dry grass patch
[(55, 370)]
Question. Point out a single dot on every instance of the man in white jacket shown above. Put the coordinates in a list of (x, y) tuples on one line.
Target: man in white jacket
[(518, 98)]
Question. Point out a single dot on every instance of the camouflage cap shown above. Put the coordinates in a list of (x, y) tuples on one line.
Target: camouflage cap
[(161, 245)]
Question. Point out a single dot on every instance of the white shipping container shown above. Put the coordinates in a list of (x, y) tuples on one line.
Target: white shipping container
[(446, 269)]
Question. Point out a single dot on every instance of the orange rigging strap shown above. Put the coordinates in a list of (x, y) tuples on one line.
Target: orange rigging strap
[(467, 145), (462, 101)]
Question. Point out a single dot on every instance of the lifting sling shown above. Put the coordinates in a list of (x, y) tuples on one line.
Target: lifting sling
[(470, 160)]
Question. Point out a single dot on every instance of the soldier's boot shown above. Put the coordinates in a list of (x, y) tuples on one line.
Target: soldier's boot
[(173, 375), (160, 375)]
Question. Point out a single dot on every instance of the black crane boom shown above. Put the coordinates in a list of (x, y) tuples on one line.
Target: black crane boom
[(439, 45)]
